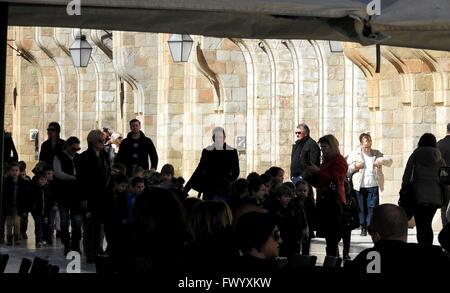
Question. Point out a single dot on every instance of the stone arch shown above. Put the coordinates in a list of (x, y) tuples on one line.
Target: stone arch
[(29, 112), (262, 105), (284, 95), (70, 100), (308, 101), (87, 88), (298, 86), (106, 112), (322, 86), (123, 59), (356, 114), (265, 47), (251, 100), (44, 40)]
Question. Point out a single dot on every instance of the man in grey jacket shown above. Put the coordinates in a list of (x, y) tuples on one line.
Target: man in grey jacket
[(305, 152), (444, 147)]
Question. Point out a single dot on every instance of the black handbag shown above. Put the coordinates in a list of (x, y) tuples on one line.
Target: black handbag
[(350, 215), (444, 175), (407, 199)]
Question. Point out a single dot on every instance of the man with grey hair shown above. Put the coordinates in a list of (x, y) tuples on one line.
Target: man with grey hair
[(305, 152), (391, 253), (444, 147)]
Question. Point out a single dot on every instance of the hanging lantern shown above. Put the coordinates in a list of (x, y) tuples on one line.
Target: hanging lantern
[(180, 47), (80, 51)]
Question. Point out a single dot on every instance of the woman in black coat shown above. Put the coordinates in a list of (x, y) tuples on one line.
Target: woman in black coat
[(93, 172), (218, 161)]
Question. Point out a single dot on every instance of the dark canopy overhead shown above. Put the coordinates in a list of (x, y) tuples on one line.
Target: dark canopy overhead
[(405, 23)]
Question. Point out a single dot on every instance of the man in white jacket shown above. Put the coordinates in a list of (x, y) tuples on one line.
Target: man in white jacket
[(365, 168)]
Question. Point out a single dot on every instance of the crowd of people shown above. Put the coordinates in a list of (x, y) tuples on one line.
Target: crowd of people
[(111, 192)]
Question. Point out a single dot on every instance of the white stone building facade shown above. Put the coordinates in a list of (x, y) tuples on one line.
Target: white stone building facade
[(257, 89)]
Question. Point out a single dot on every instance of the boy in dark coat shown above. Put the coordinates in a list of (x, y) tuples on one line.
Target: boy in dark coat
[(14, 191), (41, 205), (291, 221)]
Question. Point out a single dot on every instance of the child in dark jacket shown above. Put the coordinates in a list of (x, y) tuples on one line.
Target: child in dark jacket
[(14, 191), (42, 203), (291, 221), (305, 196), (24, 216), (115, 209)]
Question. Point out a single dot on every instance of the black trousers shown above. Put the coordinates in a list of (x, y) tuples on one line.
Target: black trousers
[(70, 217), (332, 245), (346, 239), (424, 218), (92, 235)]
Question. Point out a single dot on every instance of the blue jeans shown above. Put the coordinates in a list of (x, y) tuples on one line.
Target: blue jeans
[(368, 199)]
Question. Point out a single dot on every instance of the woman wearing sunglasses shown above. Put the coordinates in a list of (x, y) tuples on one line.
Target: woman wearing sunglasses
[(68, 199), (53, 145)]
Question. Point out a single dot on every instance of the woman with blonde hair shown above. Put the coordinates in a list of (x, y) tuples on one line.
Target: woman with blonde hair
[(329, 180), (212, 244), (209, 216), (93, 170)]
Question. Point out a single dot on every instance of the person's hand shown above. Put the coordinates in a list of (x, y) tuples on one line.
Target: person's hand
[(312, 169), (359, 165)]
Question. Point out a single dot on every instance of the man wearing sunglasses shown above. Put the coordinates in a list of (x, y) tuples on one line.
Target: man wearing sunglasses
[(68, 199), (53, 145), (305, 152)]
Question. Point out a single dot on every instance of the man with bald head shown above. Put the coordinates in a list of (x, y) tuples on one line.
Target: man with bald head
[(390, 223), (391, 253)]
